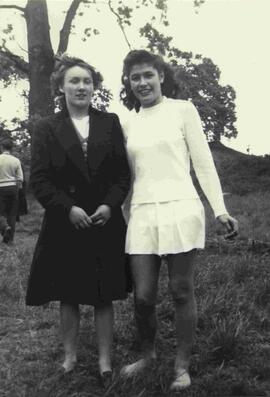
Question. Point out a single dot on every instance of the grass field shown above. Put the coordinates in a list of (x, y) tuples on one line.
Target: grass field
[(231, 355)]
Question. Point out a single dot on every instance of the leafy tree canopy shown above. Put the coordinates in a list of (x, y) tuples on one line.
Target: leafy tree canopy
[(197, 76)]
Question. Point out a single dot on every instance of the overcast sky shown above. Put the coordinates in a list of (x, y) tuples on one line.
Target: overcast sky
[(233, 33)]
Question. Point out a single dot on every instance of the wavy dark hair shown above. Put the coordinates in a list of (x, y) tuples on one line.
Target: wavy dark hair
[(62, 64), (135, 57)]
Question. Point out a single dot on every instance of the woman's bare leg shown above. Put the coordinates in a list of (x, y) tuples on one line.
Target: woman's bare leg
[(69, 320), (104, 330), (145, 274), (181, 275)]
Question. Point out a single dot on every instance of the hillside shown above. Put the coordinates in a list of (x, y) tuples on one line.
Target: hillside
[(241, 173)]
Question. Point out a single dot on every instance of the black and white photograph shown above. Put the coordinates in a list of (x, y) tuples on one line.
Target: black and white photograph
[(134, 198)]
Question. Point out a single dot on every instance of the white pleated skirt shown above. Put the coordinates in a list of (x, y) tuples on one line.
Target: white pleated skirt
[(165, 227)]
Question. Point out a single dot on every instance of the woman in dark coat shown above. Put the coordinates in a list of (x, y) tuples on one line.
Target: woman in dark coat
[(80, 175)]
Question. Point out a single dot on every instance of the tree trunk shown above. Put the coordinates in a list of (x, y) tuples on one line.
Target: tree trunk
[(41, 58)]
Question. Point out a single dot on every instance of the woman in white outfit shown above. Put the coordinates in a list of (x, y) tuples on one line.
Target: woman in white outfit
[(166, 215)]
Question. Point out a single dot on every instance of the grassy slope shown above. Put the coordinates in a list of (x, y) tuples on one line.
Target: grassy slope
[(231, 355), (240, 173)]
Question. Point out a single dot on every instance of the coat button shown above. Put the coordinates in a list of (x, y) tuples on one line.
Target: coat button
[(72, 189)]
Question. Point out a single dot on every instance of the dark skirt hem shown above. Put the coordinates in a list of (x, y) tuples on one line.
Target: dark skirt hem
[(75, 302)]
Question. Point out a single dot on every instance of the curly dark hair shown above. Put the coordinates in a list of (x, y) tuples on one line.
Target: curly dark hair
[(62, 64), (136, 57)]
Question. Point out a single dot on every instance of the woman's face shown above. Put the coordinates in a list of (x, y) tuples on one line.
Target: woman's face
[(78, 87), (145, 82)]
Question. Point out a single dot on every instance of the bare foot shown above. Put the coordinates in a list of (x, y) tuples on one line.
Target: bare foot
[(69, 364), (181, 382), (134, 369)]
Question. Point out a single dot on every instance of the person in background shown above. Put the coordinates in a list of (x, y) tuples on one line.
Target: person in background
[(166, 216), (11, 178), (23, 206), (80, 175)]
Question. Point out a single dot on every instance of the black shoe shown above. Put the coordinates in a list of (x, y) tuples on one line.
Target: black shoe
[(106, 379), (7, 234)]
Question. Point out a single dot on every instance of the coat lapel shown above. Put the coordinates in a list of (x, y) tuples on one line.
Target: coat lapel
[(69, 140), (97, 141)]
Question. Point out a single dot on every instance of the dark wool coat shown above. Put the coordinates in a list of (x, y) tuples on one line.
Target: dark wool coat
[(79, 266)]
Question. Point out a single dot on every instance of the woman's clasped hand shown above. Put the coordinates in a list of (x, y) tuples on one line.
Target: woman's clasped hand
[(79, 218)]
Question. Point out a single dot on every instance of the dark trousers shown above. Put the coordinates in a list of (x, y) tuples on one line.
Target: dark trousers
[(3, 224), (9, 206)]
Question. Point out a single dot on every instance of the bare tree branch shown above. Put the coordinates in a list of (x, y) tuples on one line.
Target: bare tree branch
[(14, 7), (18, 62), (23, 49), (66, 29), (119, 23)]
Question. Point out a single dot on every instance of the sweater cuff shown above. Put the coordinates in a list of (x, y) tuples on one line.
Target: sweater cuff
[(220, 211)]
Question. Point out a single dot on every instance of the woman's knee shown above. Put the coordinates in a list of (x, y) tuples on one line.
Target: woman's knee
[(144, 304), (182, 290), (145, 294)]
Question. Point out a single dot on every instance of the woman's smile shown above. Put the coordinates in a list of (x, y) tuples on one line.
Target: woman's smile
[(144, 92), (145, 82)]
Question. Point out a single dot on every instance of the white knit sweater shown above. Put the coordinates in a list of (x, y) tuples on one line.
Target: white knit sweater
[(10, 170), (160, 141)]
